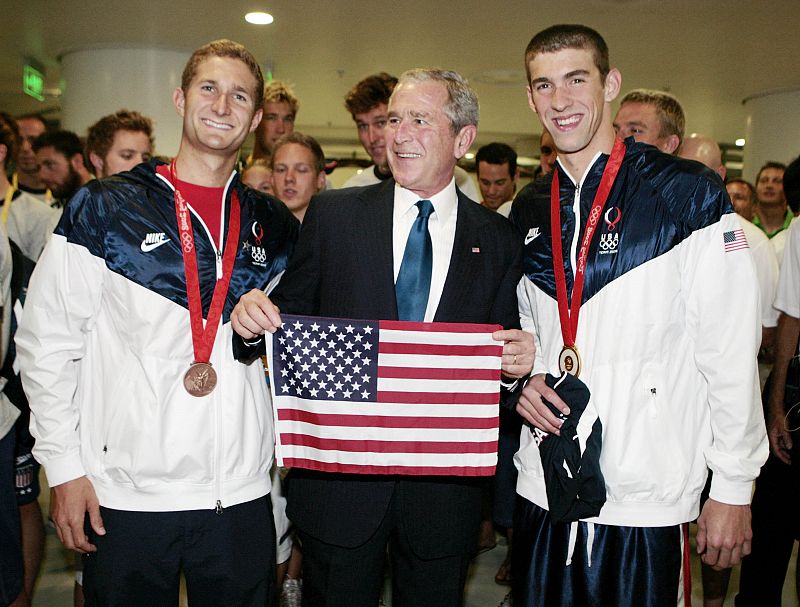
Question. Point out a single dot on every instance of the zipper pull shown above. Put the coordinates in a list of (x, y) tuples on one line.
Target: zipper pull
[(219, 264), (218, 509)]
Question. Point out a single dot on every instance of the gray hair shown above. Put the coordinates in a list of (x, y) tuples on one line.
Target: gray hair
[(462, 102)]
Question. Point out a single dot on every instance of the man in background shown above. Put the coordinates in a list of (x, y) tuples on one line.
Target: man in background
[(118, 142)]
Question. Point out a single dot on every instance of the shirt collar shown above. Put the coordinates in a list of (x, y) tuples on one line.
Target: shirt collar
[(444, 201)]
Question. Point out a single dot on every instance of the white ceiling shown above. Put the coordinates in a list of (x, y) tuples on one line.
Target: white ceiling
[(711, 54)]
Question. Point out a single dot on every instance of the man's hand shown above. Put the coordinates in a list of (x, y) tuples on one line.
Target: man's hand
[(518, 352), (69, 503), (531, 407), (255, 314), (780, 441), (723, 534)]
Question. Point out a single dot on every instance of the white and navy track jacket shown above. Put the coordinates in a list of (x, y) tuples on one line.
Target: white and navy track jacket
[(105, 342), (668, 334)]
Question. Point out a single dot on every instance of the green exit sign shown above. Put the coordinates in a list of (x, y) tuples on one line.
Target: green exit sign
[(33, 82)]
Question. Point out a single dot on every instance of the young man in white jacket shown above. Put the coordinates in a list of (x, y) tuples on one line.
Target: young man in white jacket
[(156, 442), (662, 330)]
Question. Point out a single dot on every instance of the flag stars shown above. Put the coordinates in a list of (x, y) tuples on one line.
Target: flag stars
[(332, 328), (315, 327), (298, 325), (349, 328), (365, 394)]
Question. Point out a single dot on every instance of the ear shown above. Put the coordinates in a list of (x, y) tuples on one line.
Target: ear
[(612, 85), (464, 140), (256, 119), (321, 181), (515, 176), (722, 171), (530, 99), (3, 154), (179, 99), (671, 144), (97, 163)]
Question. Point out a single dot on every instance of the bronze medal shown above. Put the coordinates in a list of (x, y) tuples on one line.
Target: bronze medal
[(200, 379), (569, 361)]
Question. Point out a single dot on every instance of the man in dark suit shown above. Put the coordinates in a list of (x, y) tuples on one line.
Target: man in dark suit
[(353, 260)]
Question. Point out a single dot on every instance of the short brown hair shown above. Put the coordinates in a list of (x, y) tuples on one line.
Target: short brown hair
[(564, 36), (100, 137), (668, 108), (307, 141), (278, 91), (225, 48), (369, 92)]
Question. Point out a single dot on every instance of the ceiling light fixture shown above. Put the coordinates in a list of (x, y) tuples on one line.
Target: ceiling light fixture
[(739, 142), (259, 18)]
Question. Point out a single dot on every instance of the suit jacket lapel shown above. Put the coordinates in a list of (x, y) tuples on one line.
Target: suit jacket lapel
[(463, 270), (376, 227)]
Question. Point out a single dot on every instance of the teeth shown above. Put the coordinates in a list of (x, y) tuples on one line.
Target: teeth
[(567, 121), (408, 155), (217, 125)]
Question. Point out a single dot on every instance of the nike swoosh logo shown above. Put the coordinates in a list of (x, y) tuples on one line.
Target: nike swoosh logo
[(532, 235), (147, 247)]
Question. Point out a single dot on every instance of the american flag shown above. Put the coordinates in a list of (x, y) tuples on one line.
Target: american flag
[(386, 397), (734, 240)]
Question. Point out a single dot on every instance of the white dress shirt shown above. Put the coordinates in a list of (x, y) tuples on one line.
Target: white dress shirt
[(442, 228)]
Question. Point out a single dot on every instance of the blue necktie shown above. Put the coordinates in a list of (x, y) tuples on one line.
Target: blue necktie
[(414, 279)]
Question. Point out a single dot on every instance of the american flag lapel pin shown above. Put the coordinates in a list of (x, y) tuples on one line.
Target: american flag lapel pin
[(476, 249)]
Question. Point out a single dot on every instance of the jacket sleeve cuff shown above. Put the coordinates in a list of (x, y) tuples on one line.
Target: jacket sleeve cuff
[(64, 468), (734, 493)]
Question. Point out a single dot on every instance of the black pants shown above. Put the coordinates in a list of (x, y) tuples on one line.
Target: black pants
[(227, 558), (776, 526), (337, 576)]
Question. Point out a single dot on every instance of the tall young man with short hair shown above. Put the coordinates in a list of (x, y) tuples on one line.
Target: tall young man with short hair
[(143, 420), (59, 156), (650, 366), (30, 127), (496, 166), (118, 142), (653, 117), (298, 171), (280, 111)]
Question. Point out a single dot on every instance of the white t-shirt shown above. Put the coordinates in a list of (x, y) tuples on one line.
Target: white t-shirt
[(787, 296)]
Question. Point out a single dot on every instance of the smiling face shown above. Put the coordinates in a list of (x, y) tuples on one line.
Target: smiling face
[(371, 126), (496, 183), (421, 146), (218, 107), (572, 101)]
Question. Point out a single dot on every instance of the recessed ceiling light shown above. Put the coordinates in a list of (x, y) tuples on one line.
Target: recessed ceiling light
[(739, 142), (259, 18), (469, 155)]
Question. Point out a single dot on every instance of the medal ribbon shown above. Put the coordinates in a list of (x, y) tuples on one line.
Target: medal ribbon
[(568, 315), (203, 337)]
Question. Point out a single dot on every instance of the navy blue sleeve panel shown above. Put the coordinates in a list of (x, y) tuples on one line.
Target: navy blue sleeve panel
[(129, 221), (657, 201)]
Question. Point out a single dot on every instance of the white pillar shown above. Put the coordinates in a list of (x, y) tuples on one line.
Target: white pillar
[(773, 130), (98, 82)]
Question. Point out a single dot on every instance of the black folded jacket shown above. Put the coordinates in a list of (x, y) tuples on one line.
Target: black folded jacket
[(575, 485)]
